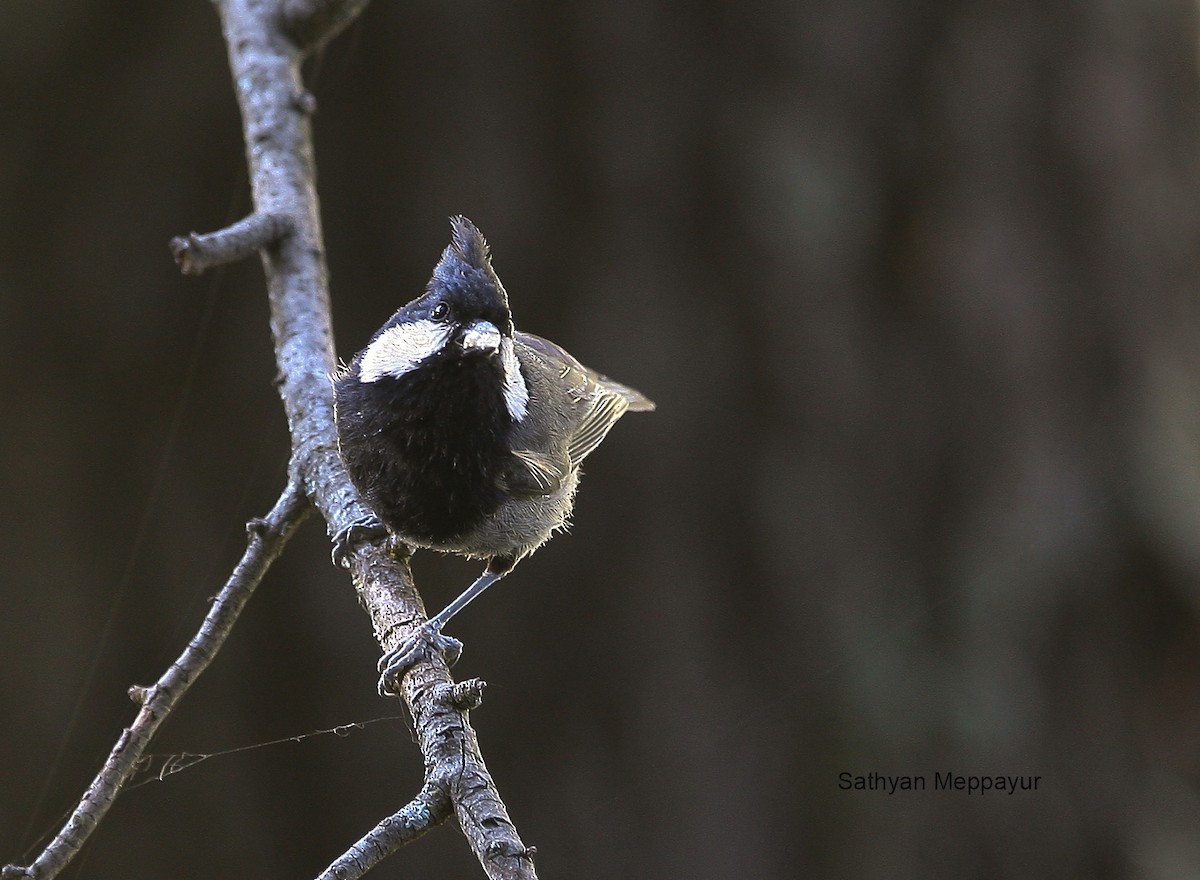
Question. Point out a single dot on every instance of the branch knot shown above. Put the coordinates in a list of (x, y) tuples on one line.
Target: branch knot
[(508, 849), (462, 695)]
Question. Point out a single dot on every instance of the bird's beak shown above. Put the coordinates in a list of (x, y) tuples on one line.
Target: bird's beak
[(481, 336)]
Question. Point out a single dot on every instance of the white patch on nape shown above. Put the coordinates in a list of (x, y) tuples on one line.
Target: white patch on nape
[(516, 392), (399, 349)]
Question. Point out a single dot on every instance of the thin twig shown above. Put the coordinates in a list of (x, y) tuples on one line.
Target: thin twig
[(267, 537), (430, 808), (313, 23), (196, 253)]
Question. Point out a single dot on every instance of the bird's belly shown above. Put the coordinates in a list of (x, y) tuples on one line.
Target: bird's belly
[(518, 526)]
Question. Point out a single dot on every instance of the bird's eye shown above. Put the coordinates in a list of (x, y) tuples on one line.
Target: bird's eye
[(441, 311)]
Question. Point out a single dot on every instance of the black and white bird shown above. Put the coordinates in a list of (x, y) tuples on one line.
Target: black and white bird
[(464, 435)]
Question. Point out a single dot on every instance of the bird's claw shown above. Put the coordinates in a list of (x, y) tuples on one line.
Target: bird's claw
[(356, 533), (420, 647)]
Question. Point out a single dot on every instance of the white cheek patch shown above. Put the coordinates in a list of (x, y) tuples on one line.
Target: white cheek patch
[(516, 392), (399, 349)]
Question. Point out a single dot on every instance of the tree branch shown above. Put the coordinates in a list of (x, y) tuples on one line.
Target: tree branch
[(431, 807), (196, 253), (267, 537), (439, 706), (265, 62)]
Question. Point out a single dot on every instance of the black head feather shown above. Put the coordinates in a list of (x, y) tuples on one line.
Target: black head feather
[(464, 275), (468, 243)]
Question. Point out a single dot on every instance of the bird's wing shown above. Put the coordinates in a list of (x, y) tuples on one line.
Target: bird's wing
[(559, 356), (595, 401), (534, 473)]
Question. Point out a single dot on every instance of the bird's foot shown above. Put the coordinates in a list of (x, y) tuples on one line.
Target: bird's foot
[(417, 648), (368, 529)]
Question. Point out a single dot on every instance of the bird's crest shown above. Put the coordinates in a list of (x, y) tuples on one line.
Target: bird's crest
[(468, 244), (466, 264)]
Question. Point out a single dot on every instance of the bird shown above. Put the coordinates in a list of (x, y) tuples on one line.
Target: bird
[(464, 435)]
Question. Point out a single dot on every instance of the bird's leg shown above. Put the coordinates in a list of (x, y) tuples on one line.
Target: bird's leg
[(429, 638), (367, 529)]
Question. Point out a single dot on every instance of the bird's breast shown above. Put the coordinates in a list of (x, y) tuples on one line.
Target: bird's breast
[(428, 448)]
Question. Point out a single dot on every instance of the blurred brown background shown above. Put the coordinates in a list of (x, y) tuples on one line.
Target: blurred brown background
[(914, 286)]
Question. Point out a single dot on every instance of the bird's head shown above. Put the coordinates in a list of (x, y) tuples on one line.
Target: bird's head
[(463, 314)]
